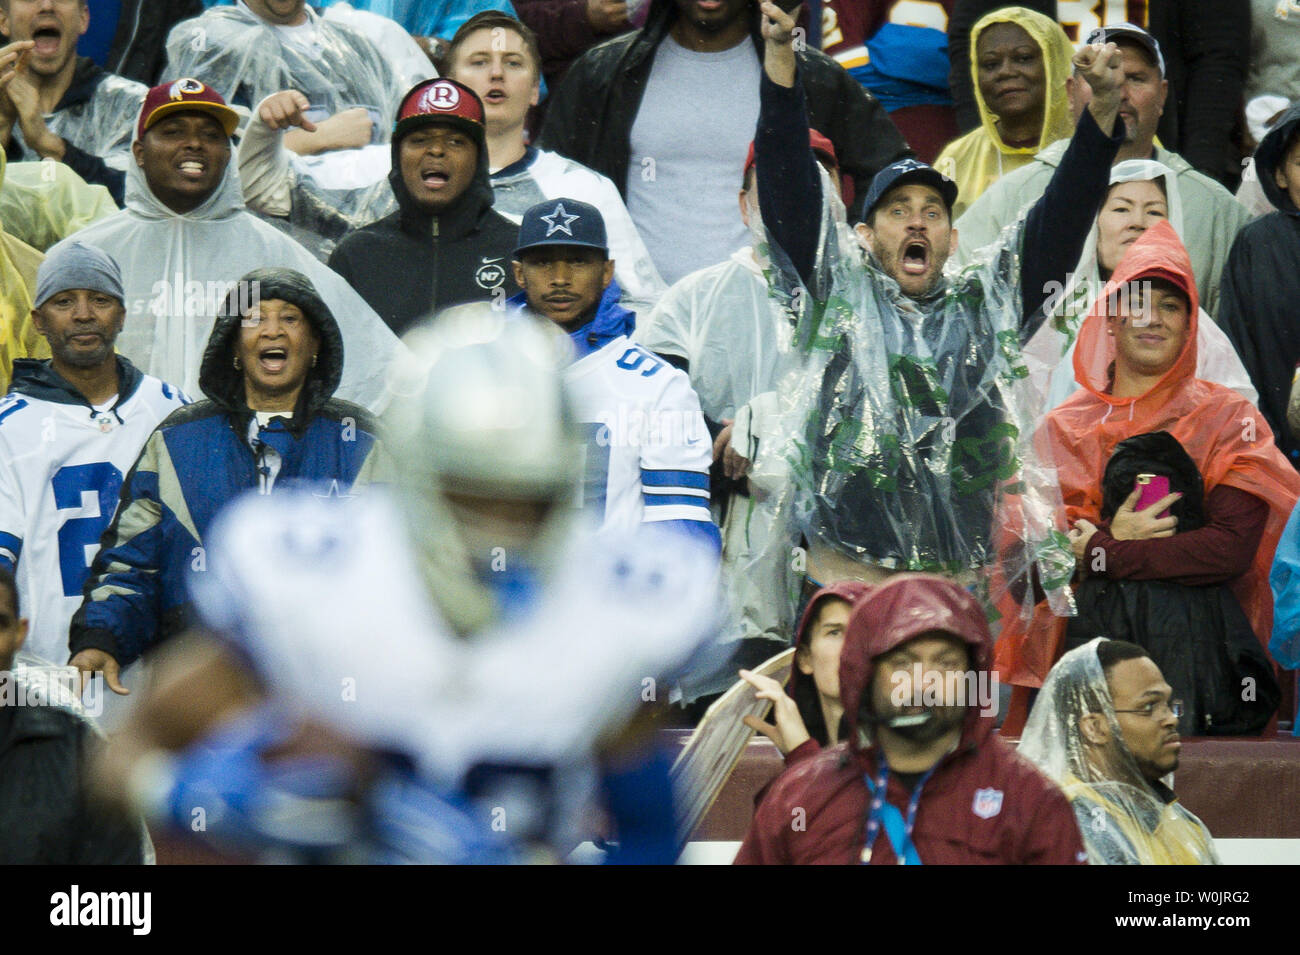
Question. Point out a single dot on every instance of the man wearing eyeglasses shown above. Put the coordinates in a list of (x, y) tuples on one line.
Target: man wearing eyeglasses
[(1105, 728)]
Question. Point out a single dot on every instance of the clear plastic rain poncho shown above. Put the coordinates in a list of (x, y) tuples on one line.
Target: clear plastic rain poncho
[(1050, 353), (246, 60), (902, 429), (1124, 819), (736, 339), (320, 199), (102, 125), (178, 270), (411, 64), (317, 199)]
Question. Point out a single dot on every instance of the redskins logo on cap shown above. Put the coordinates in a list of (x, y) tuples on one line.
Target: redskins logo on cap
[(186, 87), (442, 97)]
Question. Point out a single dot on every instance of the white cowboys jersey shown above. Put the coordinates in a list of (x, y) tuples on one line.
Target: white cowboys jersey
[(647, 448), (61, 468), (325, 598)]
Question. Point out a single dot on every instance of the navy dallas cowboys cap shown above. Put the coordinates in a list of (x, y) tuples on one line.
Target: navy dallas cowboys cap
[(562, 222), (900, 174)]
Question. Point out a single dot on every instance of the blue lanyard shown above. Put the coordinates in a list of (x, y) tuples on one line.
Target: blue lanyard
[(885, 813)]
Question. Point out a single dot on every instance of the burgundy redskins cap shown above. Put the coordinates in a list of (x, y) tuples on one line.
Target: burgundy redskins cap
[(440, 101), (187, 95)]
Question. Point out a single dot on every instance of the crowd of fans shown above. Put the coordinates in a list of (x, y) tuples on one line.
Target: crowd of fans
[(371, 365)]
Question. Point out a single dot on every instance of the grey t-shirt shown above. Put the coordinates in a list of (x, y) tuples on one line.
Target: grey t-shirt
[(689, 142)]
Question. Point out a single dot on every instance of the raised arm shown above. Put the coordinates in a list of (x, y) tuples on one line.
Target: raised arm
[(789, 188), (1059, 222)]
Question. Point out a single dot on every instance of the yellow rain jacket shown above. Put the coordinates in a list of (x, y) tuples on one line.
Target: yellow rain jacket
[(18, 265), (40, 203), (979, 158)]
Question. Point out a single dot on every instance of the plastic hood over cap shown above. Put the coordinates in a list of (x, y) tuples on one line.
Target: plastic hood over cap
[(1050, 353), (1157, 254), (903, 607), (224, 384), (179, 268), (1056, 336), (1271, 154), (1123, 818)]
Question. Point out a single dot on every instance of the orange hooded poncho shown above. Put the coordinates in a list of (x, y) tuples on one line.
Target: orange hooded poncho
[(1223, 433)]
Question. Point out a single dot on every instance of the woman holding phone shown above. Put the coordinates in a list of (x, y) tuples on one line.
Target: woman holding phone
[(1135, 362)]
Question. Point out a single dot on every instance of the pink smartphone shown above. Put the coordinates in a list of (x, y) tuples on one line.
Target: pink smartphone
[(1151, 488)]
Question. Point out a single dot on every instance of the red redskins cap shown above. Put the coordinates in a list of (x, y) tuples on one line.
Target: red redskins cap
[(185, 95), (440, 101)]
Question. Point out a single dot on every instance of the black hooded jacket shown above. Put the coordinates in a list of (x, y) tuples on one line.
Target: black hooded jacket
[(590, 117), (223, 384), (411, 264), (1260, 286)]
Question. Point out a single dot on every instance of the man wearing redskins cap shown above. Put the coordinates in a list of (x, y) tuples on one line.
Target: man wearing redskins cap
[(185, 238), (445, 245)]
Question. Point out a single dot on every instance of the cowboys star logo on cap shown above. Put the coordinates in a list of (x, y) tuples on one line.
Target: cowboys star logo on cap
[(911, 165), (551, 222), (185, 87), (440, 96), (559, 221)]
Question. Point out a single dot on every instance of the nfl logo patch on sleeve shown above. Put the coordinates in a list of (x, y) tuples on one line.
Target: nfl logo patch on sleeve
[(988, 803)]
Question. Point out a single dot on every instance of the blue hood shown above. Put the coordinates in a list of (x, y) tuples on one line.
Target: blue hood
[(611, 321)]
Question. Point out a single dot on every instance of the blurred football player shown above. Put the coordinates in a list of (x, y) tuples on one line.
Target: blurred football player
[(444, 673)]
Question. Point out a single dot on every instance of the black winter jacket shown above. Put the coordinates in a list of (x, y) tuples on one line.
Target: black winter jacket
[(590, 116), (45, 818), (411, 264)]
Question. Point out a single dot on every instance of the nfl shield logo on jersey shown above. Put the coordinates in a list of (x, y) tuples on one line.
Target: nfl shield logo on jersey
[(988, 803)]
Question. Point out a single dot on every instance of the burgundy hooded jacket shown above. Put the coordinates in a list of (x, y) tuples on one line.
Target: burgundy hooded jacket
[(983, 803)]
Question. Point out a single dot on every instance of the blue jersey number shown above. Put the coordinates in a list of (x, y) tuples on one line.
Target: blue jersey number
[(81, 532), (11, 405), (634, 358)]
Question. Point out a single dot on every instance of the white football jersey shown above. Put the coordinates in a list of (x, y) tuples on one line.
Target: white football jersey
[(62, 465), (647, 449), (325, 598)]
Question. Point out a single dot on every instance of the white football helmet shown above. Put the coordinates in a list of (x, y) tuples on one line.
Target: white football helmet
[(485, 447)]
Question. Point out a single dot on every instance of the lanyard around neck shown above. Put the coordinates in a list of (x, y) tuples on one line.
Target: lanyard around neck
[(883, 813)]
